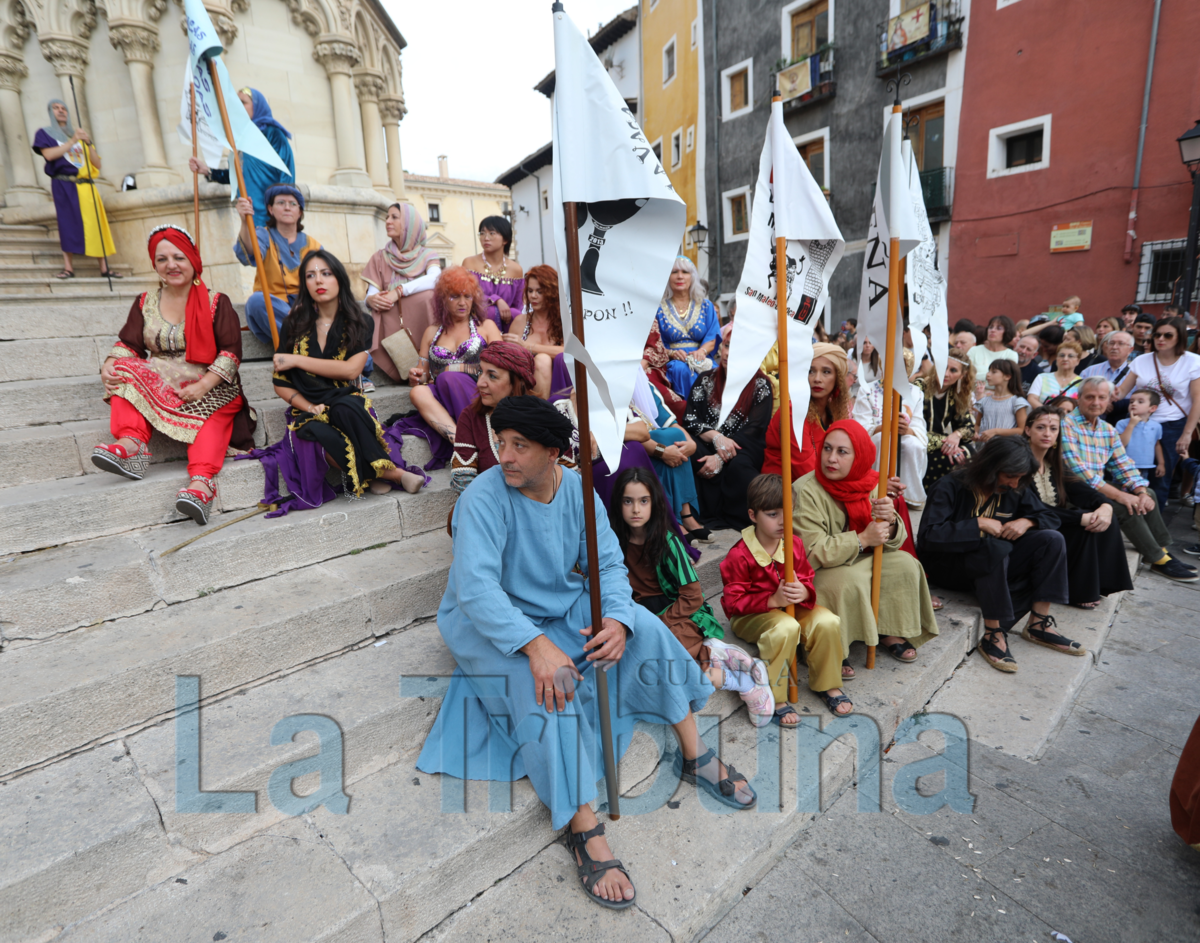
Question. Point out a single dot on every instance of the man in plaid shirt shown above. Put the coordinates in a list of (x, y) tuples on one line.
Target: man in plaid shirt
[(1090, 447)]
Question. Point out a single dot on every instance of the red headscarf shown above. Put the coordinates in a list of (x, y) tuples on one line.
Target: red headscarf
[(198, 318), (854, 491)]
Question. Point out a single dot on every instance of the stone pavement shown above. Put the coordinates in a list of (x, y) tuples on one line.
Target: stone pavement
[(1077, 841)]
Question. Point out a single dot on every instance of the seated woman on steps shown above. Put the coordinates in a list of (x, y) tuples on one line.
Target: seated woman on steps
[(174, 368), (506, 369), (840, 520), (443, 381), (540, 331), (985, 530), (321, 355)]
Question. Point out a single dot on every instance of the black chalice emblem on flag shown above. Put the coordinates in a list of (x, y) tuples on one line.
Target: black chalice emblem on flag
[(604, 216)]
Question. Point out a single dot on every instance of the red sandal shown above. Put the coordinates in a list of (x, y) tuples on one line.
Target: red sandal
[(196, 504), (118, 460)]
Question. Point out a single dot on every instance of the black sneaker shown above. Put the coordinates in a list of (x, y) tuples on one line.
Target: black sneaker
[(1174, 570), (1194, 550)]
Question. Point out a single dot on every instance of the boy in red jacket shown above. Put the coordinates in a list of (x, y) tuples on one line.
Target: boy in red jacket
[(754, 600)]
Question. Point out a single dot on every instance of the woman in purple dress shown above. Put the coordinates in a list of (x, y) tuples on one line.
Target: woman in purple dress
[(72, 164), (500, 278), (443, 381), (540, 332)]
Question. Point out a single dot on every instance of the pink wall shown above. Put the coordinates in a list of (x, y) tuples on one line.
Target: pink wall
[(1084, 63)]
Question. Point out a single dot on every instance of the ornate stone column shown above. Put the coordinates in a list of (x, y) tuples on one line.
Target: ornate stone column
[(370, 86), (69, 56), (391, 110), (138, 42), (339, 56), (23, 189)]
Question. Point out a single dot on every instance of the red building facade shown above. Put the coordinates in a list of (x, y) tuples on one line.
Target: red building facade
[(1052, 105)]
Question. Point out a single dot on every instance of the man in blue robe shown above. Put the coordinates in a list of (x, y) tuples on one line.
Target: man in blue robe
[(516, 616)]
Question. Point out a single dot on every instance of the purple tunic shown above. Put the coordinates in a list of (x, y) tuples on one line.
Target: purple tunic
[(66, 196), (454, 391), (511, 290)]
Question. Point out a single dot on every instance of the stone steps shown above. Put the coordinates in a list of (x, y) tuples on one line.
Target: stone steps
[(47, 513), (1042, 690), (30, 454), (49, 592), (22, 287), (38, 402), (67, 693)]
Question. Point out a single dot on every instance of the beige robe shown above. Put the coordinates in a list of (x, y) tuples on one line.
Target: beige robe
[(843, 575)]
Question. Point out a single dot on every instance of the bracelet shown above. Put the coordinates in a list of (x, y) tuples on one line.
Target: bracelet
[(660, 450)]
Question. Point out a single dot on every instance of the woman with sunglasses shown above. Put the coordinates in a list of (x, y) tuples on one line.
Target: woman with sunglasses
[(1174, 373)]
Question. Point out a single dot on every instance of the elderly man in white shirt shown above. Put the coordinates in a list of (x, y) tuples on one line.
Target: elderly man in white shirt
[(1118, 348)]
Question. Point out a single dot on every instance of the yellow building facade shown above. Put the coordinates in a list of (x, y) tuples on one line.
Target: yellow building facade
[(673, 110), (452, 210)]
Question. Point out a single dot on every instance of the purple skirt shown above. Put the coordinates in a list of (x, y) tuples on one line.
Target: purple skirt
[(454, 391), (561, 381), (303, 466)]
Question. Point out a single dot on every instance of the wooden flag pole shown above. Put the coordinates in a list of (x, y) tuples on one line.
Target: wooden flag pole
[(195, 173), (785, 437), (888, 432), (237, 167), (589, 504)]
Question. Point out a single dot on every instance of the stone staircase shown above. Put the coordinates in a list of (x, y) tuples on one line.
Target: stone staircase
[(326, 612), (30, 257)]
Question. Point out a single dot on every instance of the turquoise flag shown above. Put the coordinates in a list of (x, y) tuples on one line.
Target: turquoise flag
[(204, 45)]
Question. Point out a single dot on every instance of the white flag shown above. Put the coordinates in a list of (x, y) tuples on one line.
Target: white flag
[(926, 283), (789, 204), (631, 223), (210, 145), (204, 44), (891, 216)]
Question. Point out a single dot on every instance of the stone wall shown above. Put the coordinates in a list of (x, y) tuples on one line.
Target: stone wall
[(854, 116)]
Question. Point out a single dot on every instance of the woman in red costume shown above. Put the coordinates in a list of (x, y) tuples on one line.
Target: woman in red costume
[(174, 368)]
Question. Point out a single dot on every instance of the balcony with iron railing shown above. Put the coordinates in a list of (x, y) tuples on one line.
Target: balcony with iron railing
[(923, 32), (805, 81), (937, 188)]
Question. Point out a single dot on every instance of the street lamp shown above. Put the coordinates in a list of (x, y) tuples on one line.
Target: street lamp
[(1189, 153), (699, 232)]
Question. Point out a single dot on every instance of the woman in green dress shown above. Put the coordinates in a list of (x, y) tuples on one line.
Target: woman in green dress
[(841, 524)]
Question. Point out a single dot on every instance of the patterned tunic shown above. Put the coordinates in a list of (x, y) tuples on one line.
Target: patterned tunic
[(152, 367)]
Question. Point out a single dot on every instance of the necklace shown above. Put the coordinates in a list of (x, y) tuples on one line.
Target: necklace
[(488, 273)]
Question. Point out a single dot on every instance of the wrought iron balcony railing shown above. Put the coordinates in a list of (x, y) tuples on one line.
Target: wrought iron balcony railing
[(937, 189), (806, 80), (930, 29)]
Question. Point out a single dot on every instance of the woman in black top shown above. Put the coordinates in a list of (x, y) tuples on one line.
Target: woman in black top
[(1096, 562), (326, 337)]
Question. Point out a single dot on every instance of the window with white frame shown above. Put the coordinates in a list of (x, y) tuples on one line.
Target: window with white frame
[(737, 90), (691, 136), (814, 151), (676, 147), (668, 62), (435, 212), (695, 32), (804, 27), (657, 148), (1163, 264), (737, 214), (1020, 147)]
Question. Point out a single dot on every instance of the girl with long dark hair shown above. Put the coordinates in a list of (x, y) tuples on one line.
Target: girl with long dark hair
[(665, 582), (321, 355)]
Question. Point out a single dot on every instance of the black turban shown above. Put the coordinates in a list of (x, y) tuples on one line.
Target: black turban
[(535, 419)]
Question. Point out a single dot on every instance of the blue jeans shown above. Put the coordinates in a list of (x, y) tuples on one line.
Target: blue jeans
[(256, 319), (256, 315), (1171, 431)]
